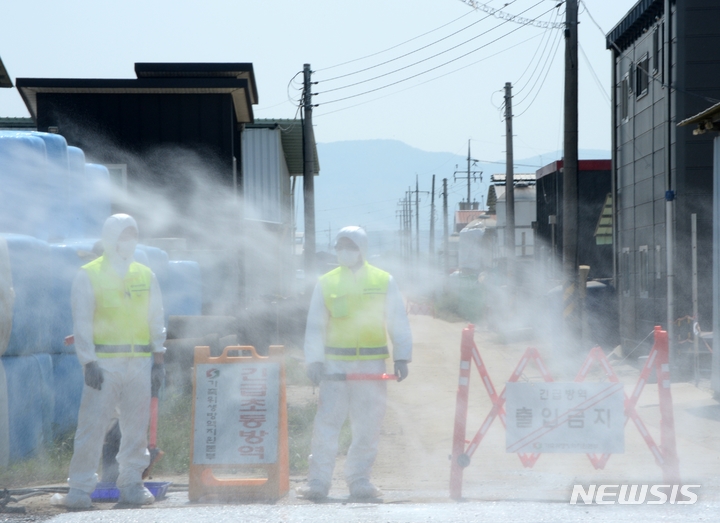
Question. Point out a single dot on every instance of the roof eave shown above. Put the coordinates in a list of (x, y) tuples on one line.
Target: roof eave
[(237, 88), (707, 120)]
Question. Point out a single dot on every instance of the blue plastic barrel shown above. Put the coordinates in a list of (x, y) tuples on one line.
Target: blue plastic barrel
[(58, 186), (33, 309), (77, 194), (65, 261), (23, 190), (182, 289), (98, 198), (30, 403), (68, 381), (157, 259)]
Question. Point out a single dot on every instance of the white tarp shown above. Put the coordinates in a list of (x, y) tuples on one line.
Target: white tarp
[(565, 417), (7, 300)]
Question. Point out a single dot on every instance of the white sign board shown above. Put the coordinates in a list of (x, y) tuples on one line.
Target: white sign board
[(236, 414), (565, 417)]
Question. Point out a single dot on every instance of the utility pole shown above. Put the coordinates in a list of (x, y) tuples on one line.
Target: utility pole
[(408, 199), (417, 218), (470, 176), (417, 192), (509, 185), (431, 250), (570, 171), (446, 241), (308, 181)]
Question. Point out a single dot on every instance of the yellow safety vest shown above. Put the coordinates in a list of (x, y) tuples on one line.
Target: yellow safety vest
[(356, 301), (120, 324)]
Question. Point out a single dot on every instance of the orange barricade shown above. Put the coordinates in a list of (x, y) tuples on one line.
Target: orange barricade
[(665, 454), (239, 444)]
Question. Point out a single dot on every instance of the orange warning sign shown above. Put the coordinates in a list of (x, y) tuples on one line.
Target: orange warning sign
[(239, 444)]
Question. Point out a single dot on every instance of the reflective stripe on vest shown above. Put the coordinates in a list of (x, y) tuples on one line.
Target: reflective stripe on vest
[(121, 309), (356, 303)]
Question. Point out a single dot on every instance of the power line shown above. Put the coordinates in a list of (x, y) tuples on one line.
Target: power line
[(393, 47), (427, 70), (419, 61), (594, 75), (497, 13), (413, 51), (537, 62), (428, 81), (551, 57)]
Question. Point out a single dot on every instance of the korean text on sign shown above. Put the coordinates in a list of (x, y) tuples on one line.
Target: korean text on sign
[(236, 413), (565, 417)]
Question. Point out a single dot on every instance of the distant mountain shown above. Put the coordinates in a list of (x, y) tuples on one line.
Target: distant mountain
[(362, 182)]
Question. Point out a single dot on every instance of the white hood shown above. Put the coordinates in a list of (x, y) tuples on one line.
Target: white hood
[(113, 227), (356, 235)]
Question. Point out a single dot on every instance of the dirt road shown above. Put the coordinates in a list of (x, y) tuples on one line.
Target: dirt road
[(413, 462), (417, 435)]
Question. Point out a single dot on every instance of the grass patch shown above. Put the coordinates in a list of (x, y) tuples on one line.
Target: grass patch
[(50, 465), (175, 427)]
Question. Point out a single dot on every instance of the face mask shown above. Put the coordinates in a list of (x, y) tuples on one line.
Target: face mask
[(126, 248), (348, 258)]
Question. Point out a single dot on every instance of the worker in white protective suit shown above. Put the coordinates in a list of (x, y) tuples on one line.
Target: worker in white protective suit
[(119, 331), (352, 311)]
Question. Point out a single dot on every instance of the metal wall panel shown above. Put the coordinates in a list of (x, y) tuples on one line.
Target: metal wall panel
[(265, 176)]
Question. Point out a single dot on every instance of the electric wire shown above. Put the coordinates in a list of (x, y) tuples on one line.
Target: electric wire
[(497, 13), (545, 69), (429, 80), (394, 46), (594, 75), (412, 52), (430, 57), (544, 46), (539, 90), (425, 71)]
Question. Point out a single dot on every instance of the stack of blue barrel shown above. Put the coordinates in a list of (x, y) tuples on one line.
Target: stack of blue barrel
[(52, 207)]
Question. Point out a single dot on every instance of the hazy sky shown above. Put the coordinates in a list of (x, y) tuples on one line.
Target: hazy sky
[(450, 73)]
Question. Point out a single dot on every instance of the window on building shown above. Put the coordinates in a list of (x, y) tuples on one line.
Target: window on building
[(625, 271), (643, 272), (604, 227), (656, 50), (641, 76), (658, 257), (624, 98), (661, 65)]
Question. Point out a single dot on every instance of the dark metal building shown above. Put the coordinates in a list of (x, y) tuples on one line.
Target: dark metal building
[(594, 244), (138, 126), (666, 66), (174, 141)]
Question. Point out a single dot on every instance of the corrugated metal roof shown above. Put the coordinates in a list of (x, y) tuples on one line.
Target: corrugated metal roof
[(23, 124), (292, 142), (499, 179), (705, 120), (199, 70), (641, 16), (5, 80), (238, 88)]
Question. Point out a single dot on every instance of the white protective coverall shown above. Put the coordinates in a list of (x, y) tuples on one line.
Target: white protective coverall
[(126, 387), (364, 401)]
